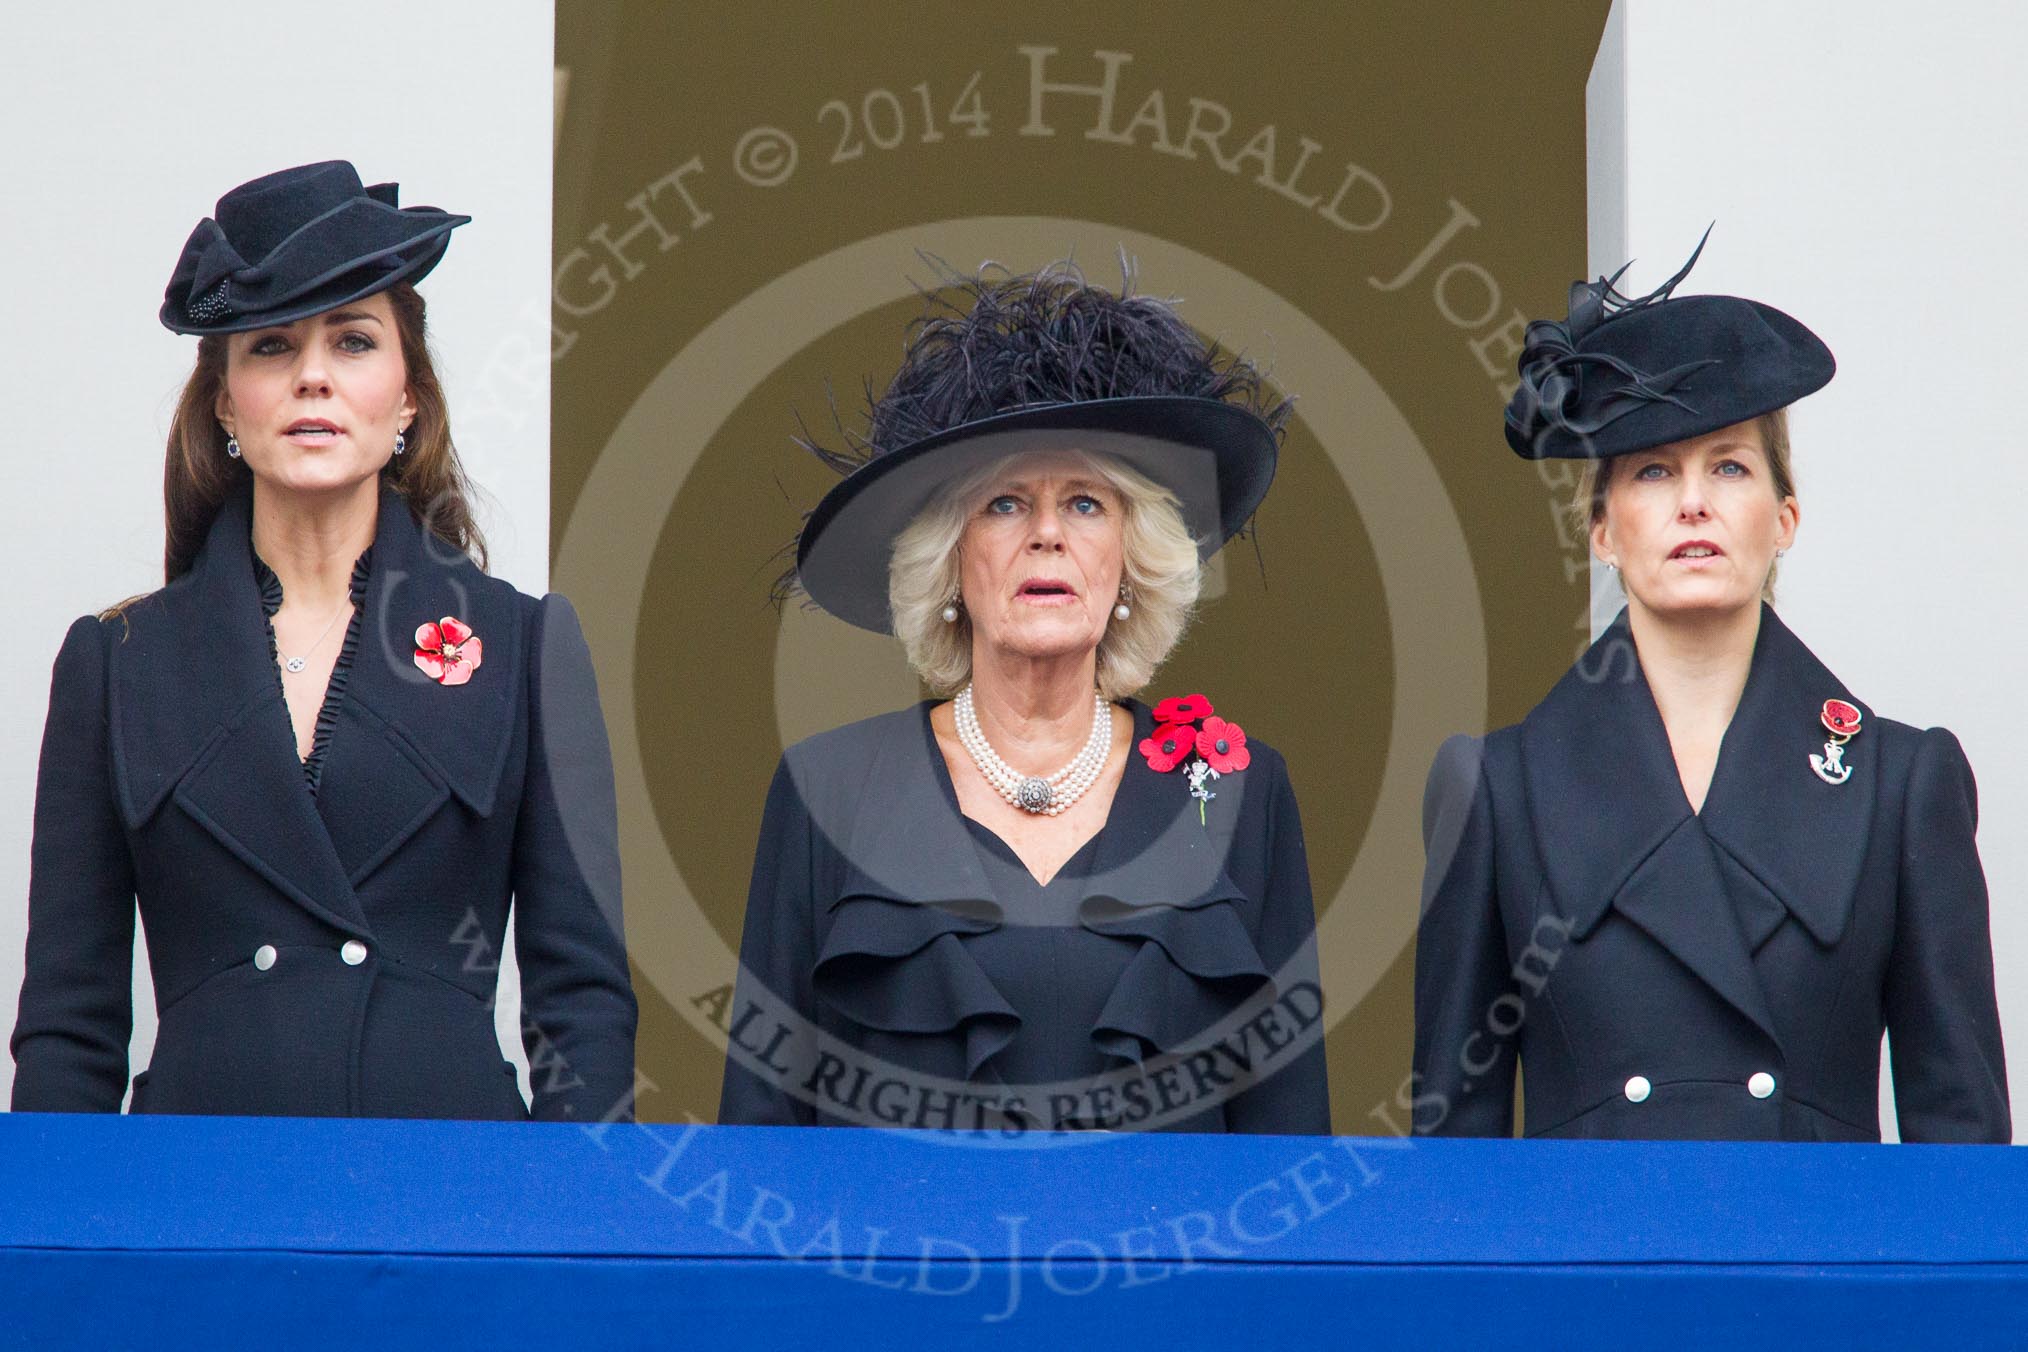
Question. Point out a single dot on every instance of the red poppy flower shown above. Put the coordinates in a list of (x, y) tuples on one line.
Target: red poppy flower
[(1841, 718), (448, 651), (1183, 709), (1223, 744), (1168, 747)]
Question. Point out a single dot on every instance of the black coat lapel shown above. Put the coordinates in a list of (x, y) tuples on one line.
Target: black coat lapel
[(1614, 829), (1800, 838), (197, 713), (404, 744)]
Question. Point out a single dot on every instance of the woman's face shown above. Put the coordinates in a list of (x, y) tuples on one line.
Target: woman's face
[(1039, 564), (1694, 525), (316, 404)]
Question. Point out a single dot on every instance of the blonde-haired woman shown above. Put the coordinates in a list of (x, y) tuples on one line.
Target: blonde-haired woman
[(1685, 896), (328, 753), (1032, 902)]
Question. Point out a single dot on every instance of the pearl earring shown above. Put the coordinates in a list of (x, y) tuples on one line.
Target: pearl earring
[(232, 446), (400, 443), (1780, 552), (950, 611), (1122, 610)]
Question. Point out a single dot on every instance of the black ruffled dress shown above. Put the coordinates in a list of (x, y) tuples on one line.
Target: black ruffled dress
[(900, 965)]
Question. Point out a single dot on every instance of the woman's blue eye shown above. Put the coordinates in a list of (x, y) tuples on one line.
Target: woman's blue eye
[(269, 346), (1732, 469), (1002, 505), (1086, 505), (1650, 472), (356, 342)]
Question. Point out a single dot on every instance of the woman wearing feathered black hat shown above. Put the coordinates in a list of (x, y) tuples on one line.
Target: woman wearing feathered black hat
[(326, 754), (1689, 892), (1032, 902)]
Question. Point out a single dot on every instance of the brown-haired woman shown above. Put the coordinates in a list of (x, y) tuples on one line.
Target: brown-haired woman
[(330, 751)]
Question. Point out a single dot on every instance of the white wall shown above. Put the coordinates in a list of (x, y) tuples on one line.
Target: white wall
[(1863, 161), (122, 125)]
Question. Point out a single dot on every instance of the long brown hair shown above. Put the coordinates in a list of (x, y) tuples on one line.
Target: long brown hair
[(198, 476)]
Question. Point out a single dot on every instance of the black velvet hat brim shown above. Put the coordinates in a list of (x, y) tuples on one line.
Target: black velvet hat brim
[(1217, 458), (1750, 359), (355, 252)]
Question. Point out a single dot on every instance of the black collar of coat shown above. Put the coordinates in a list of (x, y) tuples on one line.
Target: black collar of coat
[(1605, 796), (197, 711)]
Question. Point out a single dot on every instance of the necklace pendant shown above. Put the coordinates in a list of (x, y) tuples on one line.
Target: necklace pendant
[(295, 664), (1033, 795)]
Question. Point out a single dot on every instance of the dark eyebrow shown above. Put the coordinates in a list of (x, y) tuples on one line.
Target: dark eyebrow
[(350, 317)]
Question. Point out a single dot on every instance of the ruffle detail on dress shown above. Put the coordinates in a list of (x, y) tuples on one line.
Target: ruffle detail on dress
[(1196, 965), (899, 967), (270, 587)]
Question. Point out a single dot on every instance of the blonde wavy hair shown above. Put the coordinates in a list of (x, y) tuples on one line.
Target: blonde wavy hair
[(1159, 565)]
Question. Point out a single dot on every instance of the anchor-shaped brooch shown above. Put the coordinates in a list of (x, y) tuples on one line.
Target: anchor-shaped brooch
[(1841, 720)]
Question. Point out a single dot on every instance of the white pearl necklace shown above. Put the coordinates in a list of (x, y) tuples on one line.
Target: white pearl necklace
[(1049, 796)]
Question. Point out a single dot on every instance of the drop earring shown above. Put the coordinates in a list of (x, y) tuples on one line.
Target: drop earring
[(950, 611), (400, 443), (232, 446), (1122, 610)]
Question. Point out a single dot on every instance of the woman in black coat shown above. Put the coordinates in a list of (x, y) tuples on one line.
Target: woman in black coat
[(331, 750), (1691, 890), (1039, 904)]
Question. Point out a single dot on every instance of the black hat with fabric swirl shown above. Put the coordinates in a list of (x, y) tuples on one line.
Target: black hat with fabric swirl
[(1621, 375), (1029, 362), (296, 243)]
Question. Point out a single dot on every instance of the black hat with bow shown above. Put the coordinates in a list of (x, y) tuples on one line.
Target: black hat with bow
[(1621, 375), (297, 243)]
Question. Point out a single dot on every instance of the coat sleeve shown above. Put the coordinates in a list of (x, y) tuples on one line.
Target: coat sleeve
[(777, 953), (77, 1002), (578, 1009), (1943, 1023), (1463, 1081), (1296, 1099)]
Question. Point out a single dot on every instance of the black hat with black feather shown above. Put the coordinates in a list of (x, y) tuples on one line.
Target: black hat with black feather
[(1622, 375), (1040, 361)]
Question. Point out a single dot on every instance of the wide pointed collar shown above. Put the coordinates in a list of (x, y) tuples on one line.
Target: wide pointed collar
[(461, 732), (1801, 838), (191, 660), (1605, 796), (197, 710)]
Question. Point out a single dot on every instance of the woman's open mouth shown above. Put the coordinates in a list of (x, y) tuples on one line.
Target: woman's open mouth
[(313, 431), (1047, 591)]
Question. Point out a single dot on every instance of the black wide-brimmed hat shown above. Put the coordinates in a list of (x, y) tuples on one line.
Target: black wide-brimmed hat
[(1039, 362), (297, 243), (1621, 375)]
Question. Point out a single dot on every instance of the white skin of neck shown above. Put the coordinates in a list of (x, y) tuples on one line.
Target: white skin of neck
[(1695, 620)]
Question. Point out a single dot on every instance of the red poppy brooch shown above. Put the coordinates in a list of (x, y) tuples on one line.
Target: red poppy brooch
[(447, 652), (1187, 730), (1841, 721)]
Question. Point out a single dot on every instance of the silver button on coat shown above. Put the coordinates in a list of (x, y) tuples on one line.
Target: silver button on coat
[(1638, 1089), (264, 956), (353, 952), (1761, 1085)]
